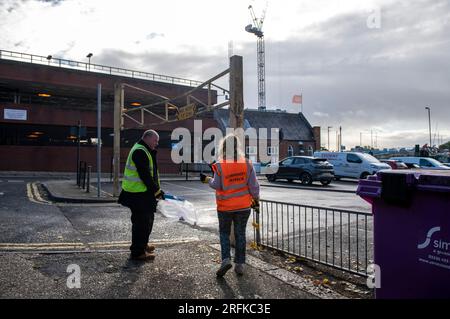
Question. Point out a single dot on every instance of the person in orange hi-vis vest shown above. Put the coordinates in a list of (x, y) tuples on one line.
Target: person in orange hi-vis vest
[(237, 190)]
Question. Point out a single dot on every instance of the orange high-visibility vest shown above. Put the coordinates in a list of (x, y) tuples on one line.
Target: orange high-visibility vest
[(233, 193)]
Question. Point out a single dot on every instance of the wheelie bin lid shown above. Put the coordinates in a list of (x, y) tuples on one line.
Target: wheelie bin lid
[(397, 186)]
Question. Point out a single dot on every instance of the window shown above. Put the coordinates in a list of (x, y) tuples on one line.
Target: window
[(425, 163), (299, 161), (51, 135), (369, 158), (287, 162), (290, 151), (301, 149), (272, 150), (353, 158), (431, 162), (251, 150)]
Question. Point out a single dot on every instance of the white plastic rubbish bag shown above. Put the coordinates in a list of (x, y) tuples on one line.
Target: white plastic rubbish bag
[(180, 209)]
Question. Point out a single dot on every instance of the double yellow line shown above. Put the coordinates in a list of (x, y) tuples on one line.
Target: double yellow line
[(34, 195), (40, 246), (93, 246)]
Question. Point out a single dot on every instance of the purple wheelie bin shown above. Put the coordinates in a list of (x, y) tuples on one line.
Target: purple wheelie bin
[(411, 225)]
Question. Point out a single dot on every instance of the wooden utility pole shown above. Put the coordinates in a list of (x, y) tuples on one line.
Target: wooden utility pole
[(118, 105), (236, 109), (236, 93)]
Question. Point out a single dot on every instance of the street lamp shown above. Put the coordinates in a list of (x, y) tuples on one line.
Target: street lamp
[(329, 137), (429, 121), (89, 56), (49, 57)]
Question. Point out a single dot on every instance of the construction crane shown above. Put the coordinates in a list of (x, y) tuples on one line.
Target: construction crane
[(256, 29)]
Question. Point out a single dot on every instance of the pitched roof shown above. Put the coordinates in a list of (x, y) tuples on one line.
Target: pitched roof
[(293, 125)]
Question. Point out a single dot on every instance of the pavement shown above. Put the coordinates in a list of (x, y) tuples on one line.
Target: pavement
[(180, 271), (41, 241), (68, 191)]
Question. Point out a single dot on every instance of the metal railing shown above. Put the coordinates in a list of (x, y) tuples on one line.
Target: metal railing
[(84, 176), (341, 239), (69, 64)]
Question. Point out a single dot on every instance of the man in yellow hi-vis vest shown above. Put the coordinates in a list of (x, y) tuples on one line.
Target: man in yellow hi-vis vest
[(140, 192)]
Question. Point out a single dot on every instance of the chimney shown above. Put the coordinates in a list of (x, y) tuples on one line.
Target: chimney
[(316, 134)]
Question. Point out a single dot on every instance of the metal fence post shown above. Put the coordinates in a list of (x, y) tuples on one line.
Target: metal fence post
[(84, 175), (88, 185), (258, 228), (111, 169), (79, 174)]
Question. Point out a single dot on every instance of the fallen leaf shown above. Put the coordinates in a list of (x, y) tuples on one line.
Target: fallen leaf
[(291, 260)]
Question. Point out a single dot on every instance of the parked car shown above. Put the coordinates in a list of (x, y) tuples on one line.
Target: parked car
[(412, 166), (353, 164), (307, 169), (422, 162), (395, 164)]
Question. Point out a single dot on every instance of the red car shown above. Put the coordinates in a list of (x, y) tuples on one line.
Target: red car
[(395, 164)]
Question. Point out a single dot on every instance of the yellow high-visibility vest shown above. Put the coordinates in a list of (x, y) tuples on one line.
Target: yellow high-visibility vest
[(131, 181)]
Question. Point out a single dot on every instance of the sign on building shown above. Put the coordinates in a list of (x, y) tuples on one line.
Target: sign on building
[(15, 114)]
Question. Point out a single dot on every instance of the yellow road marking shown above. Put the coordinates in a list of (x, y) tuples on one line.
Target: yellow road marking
[(30, 194), (34, 196), (40, 248), (93, 245), (37, 194), (39, 244)]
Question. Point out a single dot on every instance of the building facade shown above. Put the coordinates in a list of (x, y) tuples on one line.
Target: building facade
[(295, 133), (48, 114), (42, 104)]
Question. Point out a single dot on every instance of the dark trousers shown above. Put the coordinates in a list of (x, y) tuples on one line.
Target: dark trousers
[(142, 225), (239, 220)]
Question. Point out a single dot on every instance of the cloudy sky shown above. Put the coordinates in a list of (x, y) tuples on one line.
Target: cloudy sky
[(363, 65)]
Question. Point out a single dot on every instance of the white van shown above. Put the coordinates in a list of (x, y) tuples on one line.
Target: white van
[(352, 164), (422, 162)]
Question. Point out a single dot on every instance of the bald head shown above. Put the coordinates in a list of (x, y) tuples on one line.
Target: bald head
[(151, 138)]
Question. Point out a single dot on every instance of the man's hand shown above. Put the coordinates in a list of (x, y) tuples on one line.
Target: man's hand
[(211, 165), (159, 194), (255, 203), (204, 178)]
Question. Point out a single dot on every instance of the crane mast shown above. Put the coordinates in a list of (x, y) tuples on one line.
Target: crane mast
[(256, 29)]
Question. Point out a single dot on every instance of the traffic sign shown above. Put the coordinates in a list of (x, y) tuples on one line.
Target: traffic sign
[(186, 112)]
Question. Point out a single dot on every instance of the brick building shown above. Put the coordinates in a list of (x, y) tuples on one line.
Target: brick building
[(297, 136), (42, 99)]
